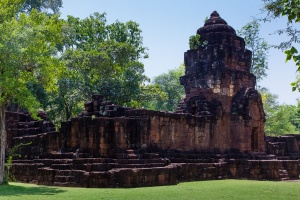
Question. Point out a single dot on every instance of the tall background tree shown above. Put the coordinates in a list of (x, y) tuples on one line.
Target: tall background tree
[(280, 118), (102, 59), (170, 86), (28, 54), (259, 47)]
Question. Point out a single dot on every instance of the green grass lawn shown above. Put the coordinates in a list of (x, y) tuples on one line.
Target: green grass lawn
[(219, 189)]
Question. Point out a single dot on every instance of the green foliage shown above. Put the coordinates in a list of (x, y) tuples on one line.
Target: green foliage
[(41, 5), (170, 85), (292, 54), (290, 9), (258, 46), (28, 55), (280, 119), (101, 59), (194, 41), (9, 9), (149, 96), (295, 119)]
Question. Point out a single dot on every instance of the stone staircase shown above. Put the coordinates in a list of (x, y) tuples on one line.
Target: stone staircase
[(261, 156), (62, 169), (64, 178), (283, 175)]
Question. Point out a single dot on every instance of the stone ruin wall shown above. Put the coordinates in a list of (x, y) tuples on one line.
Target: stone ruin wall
[(109, 144), (140, 129), (143, 129), (103, 136)]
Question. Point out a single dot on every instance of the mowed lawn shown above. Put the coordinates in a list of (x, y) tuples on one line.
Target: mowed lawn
[(218, 189)]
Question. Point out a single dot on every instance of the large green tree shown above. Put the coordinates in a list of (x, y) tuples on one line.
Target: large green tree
[(100, 58), (280, 118), (290, 10), (28, 54), (258, 46), (170, 85), (149, 96)]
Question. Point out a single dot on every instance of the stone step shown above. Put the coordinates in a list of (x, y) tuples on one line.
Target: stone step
[(94, 166), (283, 157), (121, 155), (102, 166), (84, 155), (261, 156), (197, 156), (284, 179), (63, 172), (282, 170), (61, 155), (31, 124), (283, 174), (29, 131), (186, 160), (151, 155), (132, 151), (108, 166), (294, 156), (148, 165), (139, 161), (64, 179), (62, 166), (49, 162), (124, 155), (92, 160), (62, 161), (23, 161)]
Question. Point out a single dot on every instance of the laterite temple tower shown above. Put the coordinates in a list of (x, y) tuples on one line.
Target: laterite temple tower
[(218, 83)]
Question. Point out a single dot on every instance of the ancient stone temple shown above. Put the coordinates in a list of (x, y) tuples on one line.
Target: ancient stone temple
[(219, 86), (216, 132)]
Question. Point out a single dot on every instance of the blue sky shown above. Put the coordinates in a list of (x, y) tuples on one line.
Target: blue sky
[(168, 24)]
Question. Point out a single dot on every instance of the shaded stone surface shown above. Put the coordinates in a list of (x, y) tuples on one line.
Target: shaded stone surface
[(216, 133)]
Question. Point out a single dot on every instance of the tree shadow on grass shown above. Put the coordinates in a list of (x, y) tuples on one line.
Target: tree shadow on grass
[(15, 190)]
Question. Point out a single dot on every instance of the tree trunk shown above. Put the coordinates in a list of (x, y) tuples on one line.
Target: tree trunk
[(68, 111), (3, 137)]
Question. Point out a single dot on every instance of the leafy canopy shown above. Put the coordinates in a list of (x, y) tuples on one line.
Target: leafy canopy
[(258, 46), (100, 58), (289, 9), (170, 85), (280, 119), (28, 54)]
